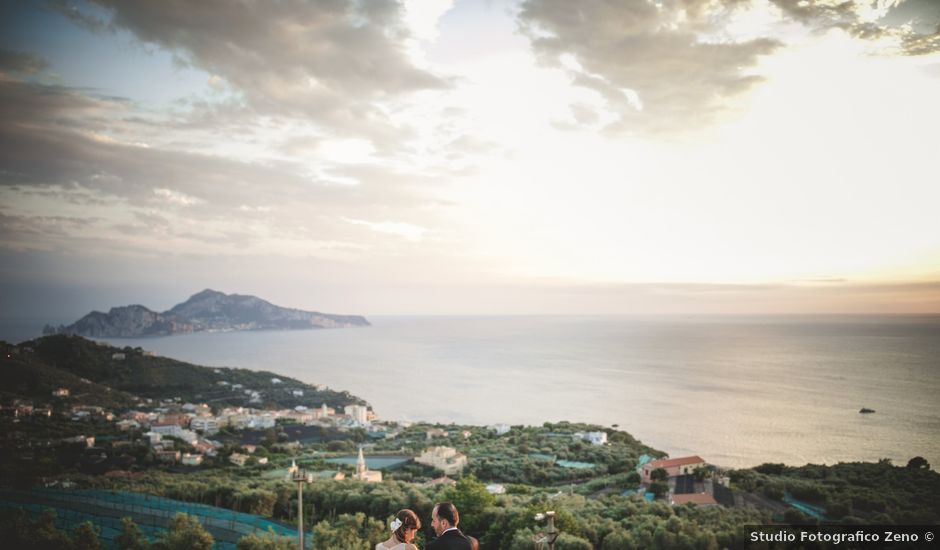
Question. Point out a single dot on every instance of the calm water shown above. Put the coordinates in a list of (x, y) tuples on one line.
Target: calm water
[(737, 391)]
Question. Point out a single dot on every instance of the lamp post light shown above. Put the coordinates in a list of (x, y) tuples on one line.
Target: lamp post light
[(551, 534), (300, 476)]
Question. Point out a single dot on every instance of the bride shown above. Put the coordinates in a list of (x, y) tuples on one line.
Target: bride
[(404, 527)]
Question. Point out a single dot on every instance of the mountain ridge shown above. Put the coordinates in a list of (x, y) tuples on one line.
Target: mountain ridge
[(207, 310)]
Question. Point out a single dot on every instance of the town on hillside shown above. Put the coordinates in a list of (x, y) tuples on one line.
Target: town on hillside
[(83, 436)]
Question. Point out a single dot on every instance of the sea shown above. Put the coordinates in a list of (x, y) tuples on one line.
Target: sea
[(737, 391)]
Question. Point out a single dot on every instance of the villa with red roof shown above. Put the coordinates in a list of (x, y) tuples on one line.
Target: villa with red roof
[(673, 466)]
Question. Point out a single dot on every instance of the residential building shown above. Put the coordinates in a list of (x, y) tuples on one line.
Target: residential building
[(496, 489), (673, 466), (174, 430), (168, 456), (238, 459), (436, 432), (596, 438), (446, 459), (324, 412), (206, 424), (261, 421), (125, 425), (500, 429), (192, 459), (359, 413)]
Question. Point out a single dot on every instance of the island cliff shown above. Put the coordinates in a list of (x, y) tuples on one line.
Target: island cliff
[(206, 310)]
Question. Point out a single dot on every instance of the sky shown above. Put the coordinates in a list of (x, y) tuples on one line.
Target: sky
[(471, 157)]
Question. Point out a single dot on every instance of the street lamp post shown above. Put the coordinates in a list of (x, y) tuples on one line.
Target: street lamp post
[(551, 534), (300, 476)]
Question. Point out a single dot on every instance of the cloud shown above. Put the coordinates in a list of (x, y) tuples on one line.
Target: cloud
[(19, 62), (327, 61), (59, 163), (176, 197), (405, 230), (913, 24), (658, 66)]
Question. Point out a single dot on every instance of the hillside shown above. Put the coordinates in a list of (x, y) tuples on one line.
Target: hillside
[(206, 310), (36, 367)]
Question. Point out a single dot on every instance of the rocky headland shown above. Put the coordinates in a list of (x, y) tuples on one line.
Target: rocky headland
[(209, 310)]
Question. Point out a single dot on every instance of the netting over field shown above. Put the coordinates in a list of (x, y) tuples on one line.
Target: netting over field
[(151, 513)]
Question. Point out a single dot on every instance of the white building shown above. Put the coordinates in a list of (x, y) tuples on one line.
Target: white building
[(297, 393), (446, 459), (129, 424), (207, 424), (596, 438), (191, 459), (261, 421), (174, 430), (365, 474), (359, 413), (496, 489), (500, 429)]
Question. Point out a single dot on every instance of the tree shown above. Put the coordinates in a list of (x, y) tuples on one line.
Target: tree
[(659, 474), (618, 539), (184, 533), (46, 535), (471, 499), (659, 488), (267, 541), (571, 542), (86, 537), (918, 463), (348, 532), (795, 517), (131, 537)]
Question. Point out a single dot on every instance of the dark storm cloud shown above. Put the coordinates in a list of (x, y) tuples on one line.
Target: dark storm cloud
[(659, 51)]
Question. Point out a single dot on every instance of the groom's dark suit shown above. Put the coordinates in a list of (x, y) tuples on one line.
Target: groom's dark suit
[(450, 540)]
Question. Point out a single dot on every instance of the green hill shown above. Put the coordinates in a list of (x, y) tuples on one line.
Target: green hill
[(113, 376)]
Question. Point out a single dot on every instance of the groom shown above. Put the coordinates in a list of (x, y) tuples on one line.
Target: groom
[(444, 520)]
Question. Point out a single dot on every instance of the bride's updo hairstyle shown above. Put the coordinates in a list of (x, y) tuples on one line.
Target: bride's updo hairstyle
[(409, 520)]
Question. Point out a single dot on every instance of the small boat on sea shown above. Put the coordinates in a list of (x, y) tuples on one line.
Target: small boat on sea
[(866, 410)]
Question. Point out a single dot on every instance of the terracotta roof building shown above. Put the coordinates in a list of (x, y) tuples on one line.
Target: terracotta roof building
[(673, 466)]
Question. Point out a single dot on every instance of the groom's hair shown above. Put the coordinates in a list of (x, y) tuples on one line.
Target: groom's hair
[(446, 510)]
